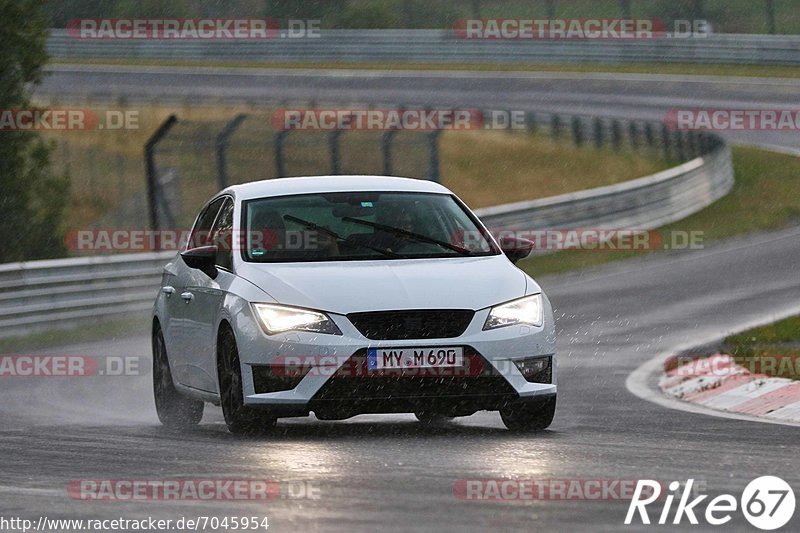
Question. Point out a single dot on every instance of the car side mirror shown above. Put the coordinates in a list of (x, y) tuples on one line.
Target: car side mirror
[(516, 249), (203, 259)]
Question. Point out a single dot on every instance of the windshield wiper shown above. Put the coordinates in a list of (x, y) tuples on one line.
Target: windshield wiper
[(317, 227), (411, 234)]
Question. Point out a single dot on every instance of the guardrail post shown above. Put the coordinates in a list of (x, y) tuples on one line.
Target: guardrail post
[(150, 163), (222, 147), (280, 163), (577, 131)]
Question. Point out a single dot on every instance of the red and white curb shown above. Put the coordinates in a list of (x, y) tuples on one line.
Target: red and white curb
[(717, 382)]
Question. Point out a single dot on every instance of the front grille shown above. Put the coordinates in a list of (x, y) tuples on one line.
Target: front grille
[(414, 324)]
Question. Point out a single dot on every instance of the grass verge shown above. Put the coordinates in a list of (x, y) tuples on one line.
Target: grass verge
[(90, 332), (757, 71), (766, 196), (773, 349)]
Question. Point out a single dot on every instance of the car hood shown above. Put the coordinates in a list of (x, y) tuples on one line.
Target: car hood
[(352, 286)]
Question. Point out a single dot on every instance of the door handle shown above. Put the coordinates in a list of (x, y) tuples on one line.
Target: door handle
[(187, 297), (169, 291)]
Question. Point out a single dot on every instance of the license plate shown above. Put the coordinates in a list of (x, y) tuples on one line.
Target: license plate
[(398, 358)]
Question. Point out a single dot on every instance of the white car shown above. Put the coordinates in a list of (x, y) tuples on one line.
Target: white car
[(344, 295)]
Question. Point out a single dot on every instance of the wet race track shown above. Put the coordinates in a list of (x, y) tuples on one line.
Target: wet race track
[(373, 471)]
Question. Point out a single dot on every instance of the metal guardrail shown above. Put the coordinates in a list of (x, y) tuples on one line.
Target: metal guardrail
[(644, 203), (44, 295), (438, 46)]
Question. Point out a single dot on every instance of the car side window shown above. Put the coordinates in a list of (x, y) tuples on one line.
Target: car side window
[(223, 236), (201, 232)]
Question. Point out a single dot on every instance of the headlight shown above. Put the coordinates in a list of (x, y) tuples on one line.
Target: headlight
[(279, 318), (527, 310)]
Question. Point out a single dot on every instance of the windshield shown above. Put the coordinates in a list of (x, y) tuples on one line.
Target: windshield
[(360, 226)]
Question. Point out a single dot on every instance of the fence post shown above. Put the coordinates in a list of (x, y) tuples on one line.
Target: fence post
[(616, 135), (386, 148), (333, 147), (666, 141), (649, 134), (280, 164), (150, 164), (222, 147), (599, 139), (555, 126), (577, 131), (770, 17), (433, 144), (633, 134), (680, 145), (530, 122)]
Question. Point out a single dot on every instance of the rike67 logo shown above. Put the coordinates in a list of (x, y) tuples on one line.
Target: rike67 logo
[(767, 502)]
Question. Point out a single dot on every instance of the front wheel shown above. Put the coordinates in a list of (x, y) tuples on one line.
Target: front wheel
[(173, 409), (529, 415), (239, 418)]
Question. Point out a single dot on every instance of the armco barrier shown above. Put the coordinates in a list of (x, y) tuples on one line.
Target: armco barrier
[(439, 46), (644, 203), (43, 295)]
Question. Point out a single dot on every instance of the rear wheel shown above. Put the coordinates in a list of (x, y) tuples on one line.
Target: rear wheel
[(239, 418), (529, 415), (173, 409)]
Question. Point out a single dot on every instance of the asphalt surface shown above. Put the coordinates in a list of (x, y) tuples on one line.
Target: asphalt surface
[(388, 472)]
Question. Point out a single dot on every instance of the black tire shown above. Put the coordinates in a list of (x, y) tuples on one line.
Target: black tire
[(174, 410), (530, 415), (429, 418), (239, 418)]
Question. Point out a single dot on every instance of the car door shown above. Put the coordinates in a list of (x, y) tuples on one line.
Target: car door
[(183, 360), (206, 303)]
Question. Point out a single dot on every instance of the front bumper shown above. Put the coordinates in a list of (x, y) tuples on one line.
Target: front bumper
[(335, 383)]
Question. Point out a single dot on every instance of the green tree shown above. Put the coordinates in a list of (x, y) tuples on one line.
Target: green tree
[(32, 198)]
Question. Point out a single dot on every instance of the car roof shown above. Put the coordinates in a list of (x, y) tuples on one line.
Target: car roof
[(324, 184)]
